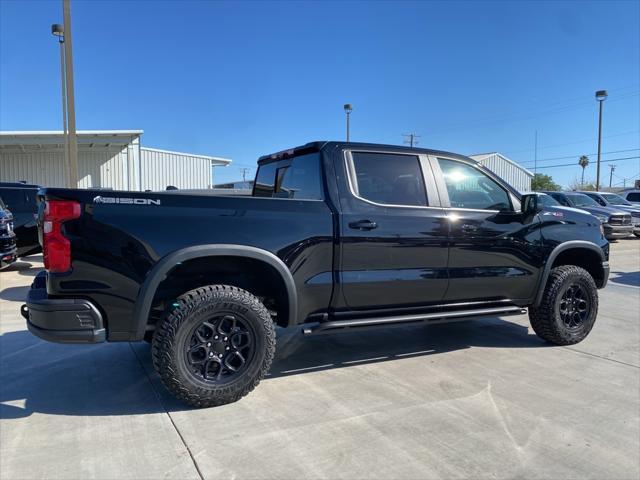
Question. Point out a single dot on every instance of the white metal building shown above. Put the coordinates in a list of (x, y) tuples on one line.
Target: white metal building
[(512, 173), (106, 158)]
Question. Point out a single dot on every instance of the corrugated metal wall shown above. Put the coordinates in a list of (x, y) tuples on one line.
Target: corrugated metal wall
[(512, 174), (102, 167), (159, 169)]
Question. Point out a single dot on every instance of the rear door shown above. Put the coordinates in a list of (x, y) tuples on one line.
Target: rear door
[(393, 231), (494, 249)]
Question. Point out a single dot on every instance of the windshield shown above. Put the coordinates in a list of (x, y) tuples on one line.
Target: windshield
[(581, 200), (614, 199)]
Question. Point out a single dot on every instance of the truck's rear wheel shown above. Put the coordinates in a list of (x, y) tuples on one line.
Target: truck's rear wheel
[(568, 308), (215, 346)]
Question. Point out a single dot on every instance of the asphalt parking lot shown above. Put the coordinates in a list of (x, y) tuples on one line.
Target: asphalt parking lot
[(478, 399)]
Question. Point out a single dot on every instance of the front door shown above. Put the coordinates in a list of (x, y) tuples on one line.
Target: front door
[(393, 231), (494, 249)]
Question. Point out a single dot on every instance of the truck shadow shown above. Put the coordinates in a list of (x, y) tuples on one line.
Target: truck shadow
[(118, 378), (24, 266), (626, 278), (14, 294)]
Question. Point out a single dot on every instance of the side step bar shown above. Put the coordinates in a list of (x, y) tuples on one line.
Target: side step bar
[(431, 318)]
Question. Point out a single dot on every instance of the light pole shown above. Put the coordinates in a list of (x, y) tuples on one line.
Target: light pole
[(348, 108), (63, 32), (57, 30), (601, 96)]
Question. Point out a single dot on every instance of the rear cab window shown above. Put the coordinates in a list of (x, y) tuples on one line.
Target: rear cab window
[(297, 178), (14, 198), (633, 197)]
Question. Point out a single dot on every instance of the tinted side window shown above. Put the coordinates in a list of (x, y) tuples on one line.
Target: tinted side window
[(299, 178), (468, 187), (13, 199), (265, 180), (597, 198), (633, 197), (561, 199), (389, 179)]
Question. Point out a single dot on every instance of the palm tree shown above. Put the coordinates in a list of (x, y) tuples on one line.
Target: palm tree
[(583, 161)]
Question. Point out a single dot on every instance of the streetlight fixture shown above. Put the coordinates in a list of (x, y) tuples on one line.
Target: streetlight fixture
[(601, 96), (57, 30), (348, 108)]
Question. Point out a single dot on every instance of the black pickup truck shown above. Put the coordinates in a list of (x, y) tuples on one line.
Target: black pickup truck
[(335, 237)]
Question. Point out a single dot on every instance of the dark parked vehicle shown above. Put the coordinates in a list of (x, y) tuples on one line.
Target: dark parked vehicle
[(336, 237), (608, 199), (21, 198), (616, 223), (7, 237)]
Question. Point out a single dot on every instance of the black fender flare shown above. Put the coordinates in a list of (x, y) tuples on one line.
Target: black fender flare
[(158, 273), (569, 245)]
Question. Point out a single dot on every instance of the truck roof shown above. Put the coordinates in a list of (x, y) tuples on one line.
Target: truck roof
[(325, 145)]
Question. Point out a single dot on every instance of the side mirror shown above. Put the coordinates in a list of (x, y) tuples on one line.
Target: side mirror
[(530, 204)]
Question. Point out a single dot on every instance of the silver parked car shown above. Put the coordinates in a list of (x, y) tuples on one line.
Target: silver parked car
[(631, 196), (608, 199)]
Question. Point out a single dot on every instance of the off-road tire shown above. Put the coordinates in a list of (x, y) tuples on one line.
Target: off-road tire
[(172, 333), (545, 318)]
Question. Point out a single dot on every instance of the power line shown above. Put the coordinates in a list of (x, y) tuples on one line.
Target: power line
[(602, 161), (576, 142), (578, 155), (514, 117)]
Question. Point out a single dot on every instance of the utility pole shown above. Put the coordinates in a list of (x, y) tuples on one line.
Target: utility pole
[(613, 168), (601, 96), (71, 108), (244, 173), (411, 139)]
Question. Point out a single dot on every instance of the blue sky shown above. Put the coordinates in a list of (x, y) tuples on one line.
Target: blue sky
[(240, 79)]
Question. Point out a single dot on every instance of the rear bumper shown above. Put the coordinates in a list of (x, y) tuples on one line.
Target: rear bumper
[(61, 320), (7, 258), (8, 251)]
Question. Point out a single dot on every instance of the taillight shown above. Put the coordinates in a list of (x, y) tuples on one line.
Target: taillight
[(55, 246)]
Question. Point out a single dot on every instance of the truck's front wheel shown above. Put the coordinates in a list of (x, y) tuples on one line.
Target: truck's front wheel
[(568, 308), (215, 346)]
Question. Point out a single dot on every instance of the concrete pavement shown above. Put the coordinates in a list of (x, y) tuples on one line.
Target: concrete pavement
[(479, 399)]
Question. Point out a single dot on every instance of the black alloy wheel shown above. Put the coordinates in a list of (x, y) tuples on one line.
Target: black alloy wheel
[(574, 306), (220, 348)]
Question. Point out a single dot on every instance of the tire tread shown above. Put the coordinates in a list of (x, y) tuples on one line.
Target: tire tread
[(163, 346), (543, 318)]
